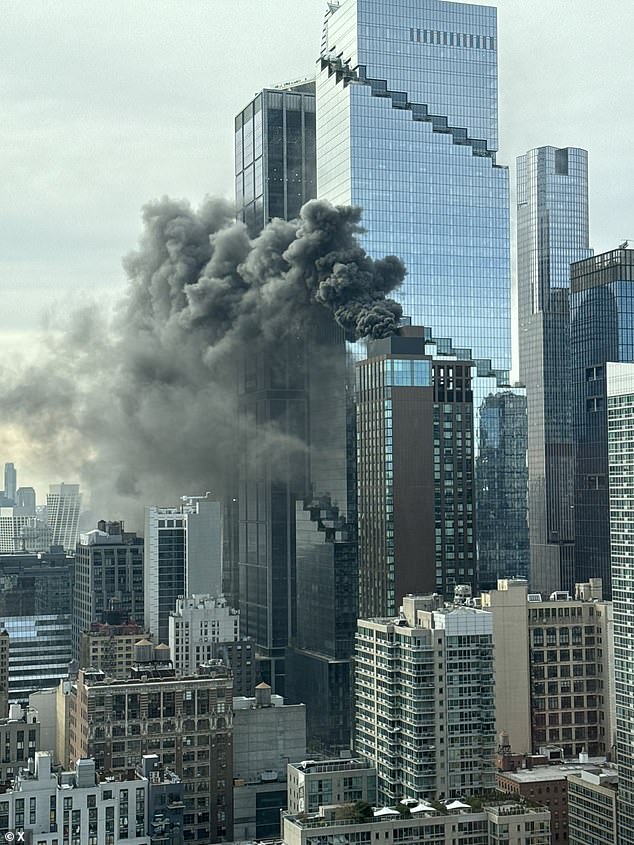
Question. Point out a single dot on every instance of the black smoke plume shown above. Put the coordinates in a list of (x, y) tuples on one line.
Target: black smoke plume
[(141, 405)]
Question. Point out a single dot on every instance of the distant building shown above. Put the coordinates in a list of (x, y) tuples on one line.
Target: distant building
[(187, 721), (313, 783), (552, 232), (19, 740), (25, 500), (553, 668), (10, 481), (203, 629), (424, 681), (20, 532), (502, 485), (110, 648), (108, 576), (266, 734), (4, 672), (35, 605), (43, 805), (183, 556), (457, 823), (63, 503)]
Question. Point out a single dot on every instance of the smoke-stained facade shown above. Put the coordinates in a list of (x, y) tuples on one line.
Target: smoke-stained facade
[(552, 232), (601, 331)]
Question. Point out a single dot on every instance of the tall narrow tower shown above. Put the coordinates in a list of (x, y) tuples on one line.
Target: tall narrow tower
[(552, 232), (63, 502)]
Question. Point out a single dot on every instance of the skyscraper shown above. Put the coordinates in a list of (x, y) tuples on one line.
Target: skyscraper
[(601, 331), (63, 502), (275, 154), (620, 424), (414, 471), (407, 129), (183, 555), (10, 481), (552, 232)]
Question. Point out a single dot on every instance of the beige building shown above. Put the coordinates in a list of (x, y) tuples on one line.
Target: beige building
[(187, 721), (111, 647), (553, 668), (19, 740)]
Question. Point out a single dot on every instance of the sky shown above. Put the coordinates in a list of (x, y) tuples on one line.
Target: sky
[(104, 106)]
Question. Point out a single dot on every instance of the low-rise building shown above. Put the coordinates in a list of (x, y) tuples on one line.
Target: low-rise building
[(550, 785), (19, 740), (111, 647), (313, 783), (187, 721), (457, 823), (81, 807), (592, 797)]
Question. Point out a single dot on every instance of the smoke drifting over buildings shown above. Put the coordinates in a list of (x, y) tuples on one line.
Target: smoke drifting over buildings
[(143, 404)]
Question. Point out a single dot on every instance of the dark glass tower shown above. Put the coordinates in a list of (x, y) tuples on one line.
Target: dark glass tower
[(275, 154), (601, 331), (502, 477), (552, 232)]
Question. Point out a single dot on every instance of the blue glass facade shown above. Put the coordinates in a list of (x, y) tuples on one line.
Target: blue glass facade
[(552, 232), (407, 129), (601, 331)]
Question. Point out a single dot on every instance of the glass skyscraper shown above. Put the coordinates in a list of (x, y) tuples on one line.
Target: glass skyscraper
[(275, 154), (601, 331), (552, 232), (407, 129)]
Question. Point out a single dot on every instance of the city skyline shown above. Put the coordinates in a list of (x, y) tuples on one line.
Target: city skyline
[(85, 150)]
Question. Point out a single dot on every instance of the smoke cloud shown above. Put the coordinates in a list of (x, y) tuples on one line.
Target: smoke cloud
[(141, 405)]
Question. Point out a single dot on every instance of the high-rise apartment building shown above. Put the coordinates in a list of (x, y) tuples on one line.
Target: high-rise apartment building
[(619, 382), (552, 232), (183, 555), (275, 154), (553, 668), (407, 130), (108, 576), (414, 472), (601, 331), (63, 502), (425, 700), (187, 721)]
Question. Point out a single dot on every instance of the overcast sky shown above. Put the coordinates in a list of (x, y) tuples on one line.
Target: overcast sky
[(106, 105)]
